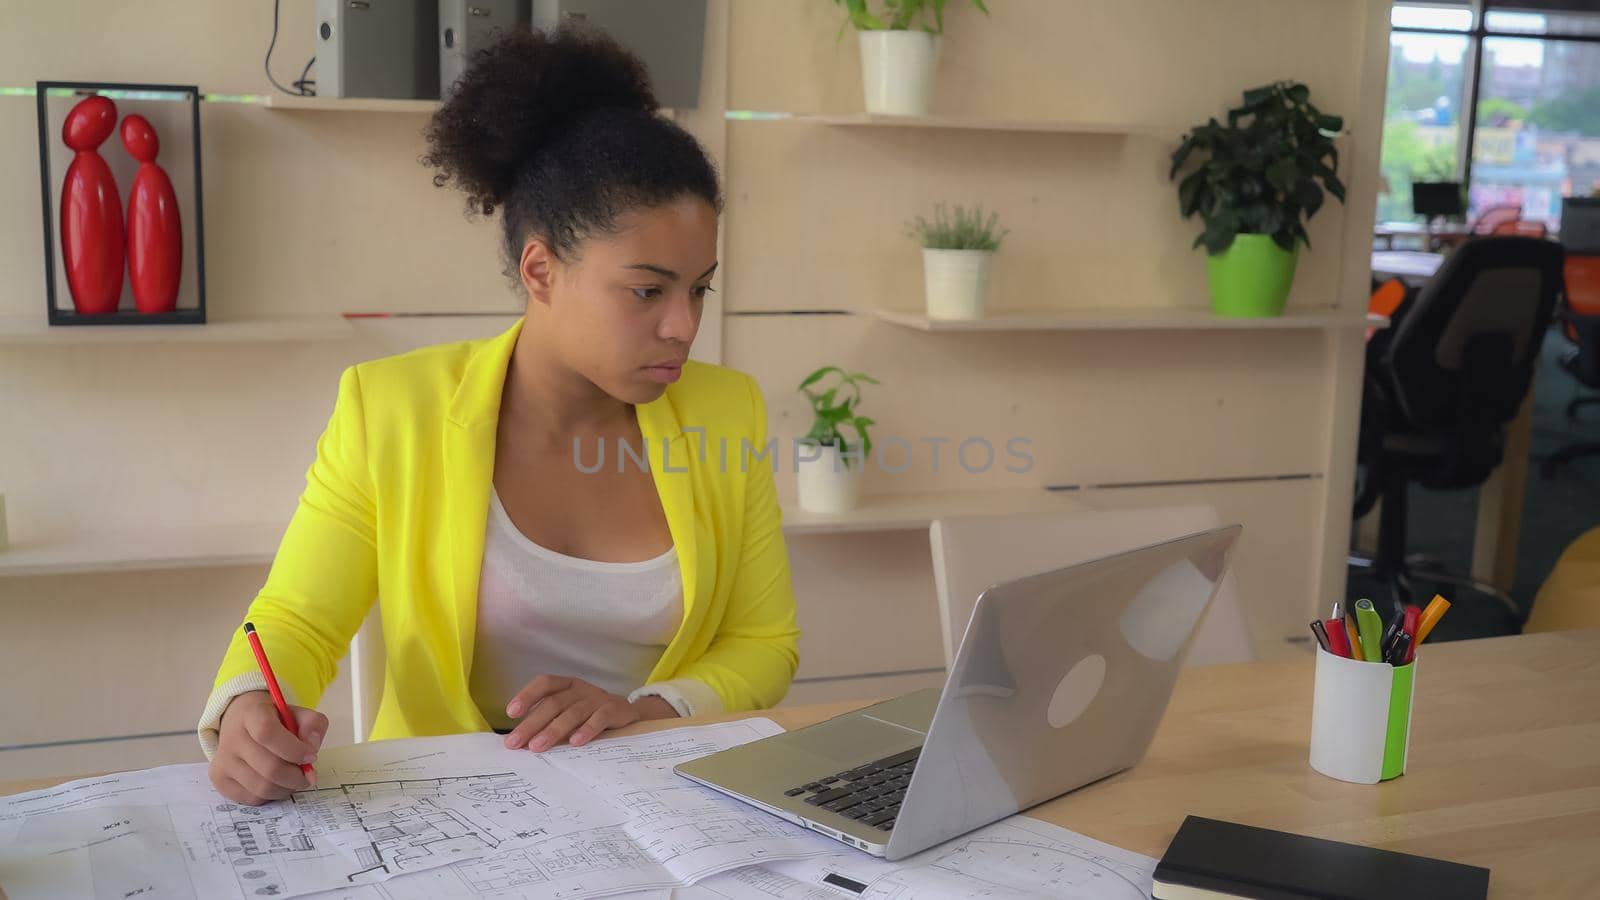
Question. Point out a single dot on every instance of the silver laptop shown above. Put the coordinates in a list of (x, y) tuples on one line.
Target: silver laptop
[(1060, 680)]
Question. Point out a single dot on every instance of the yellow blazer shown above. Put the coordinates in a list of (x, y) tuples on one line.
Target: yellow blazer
[(396, 505)]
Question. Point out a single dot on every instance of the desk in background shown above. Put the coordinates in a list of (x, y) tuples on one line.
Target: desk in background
[(1504, 772), (1433, 237), (1411, 266)]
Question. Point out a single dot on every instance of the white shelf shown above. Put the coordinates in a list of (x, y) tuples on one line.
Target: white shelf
[(899, 512), (279, 100), (1132, 319), (143, 549), (239, 545), (968, 124), (349, 104), (32, 330)]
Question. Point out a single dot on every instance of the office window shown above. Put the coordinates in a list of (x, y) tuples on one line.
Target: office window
[(1533, 69), (1538, 134), (1572, 17), (1428, 88)]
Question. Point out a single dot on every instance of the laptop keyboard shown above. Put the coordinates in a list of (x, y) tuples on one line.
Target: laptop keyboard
[(870, 794)]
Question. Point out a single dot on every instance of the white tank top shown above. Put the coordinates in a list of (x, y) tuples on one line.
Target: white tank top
[(545, 613)]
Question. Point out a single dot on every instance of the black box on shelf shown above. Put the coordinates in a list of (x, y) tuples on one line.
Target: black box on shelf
[(121, 201)]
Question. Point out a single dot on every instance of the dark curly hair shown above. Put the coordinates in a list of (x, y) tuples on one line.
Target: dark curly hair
[(560, 132)]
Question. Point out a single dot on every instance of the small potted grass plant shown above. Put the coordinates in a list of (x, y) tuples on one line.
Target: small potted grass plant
[(830, 482), (1262, 177), (957, 254), (899, 52)]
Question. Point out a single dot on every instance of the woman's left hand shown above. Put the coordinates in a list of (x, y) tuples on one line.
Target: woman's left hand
[(572, 709)]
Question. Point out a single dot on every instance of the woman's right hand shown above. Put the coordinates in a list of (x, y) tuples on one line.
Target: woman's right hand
[(257, 759)]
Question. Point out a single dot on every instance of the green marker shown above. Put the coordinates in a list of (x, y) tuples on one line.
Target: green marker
[(1371, 628)]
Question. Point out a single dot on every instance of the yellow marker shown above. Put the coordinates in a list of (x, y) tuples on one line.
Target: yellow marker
[(1430, 617)]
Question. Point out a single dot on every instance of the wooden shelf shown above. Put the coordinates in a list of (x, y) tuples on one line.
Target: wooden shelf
[(900, 512), (36, 330), (144, 549), (348, 104), (1042, 126), (1132, 319)]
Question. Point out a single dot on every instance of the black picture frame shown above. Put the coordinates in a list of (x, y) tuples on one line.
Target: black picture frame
[(55, 314)]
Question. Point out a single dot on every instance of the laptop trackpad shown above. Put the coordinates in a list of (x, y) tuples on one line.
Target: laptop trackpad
[(853, 740)]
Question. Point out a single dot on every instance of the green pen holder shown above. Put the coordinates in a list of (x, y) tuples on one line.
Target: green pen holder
[(1361, 718)]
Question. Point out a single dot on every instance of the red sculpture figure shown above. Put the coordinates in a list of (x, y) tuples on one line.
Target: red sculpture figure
[(91, 211), (155, 238)]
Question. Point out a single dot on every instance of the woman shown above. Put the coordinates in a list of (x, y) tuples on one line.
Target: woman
[(558, 544)]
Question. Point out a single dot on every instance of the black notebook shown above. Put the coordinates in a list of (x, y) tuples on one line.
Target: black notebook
[(1210, 859)]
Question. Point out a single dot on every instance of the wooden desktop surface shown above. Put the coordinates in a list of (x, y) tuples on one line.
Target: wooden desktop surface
[(1504, 769)]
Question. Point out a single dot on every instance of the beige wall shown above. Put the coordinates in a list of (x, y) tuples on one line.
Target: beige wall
[(313, 213)]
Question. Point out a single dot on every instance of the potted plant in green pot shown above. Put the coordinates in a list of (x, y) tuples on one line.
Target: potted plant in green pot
[(899, 52), (957, 255), (830, 482), (1262, 176)]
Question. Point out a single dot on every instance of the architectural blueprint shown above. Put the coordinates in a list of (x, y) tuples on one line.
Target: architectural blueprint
[(673, 831), (385, 809), (1018, 857), (460, 816), (161, 833)]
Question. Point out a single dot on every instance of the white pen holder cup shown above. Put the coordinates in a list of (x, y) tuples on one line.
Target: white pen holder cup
[(1361, 718)]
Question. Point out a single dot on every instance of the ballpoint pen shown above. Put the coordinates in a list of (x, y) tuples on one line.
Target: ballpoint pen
[(1399, 649), (1338, 640), (1321, 634), (1411, 624), (1391, 628)]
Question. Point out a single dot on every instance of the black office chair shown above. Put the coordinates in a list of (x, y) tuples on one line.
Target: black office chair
[(1440, 389), (1583, 360)]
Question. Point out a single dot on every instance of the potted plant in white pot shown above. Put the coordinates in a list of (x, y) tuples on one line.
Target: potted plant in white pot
[(829, 481), (1263, 177), (957, 256), (899, 52)]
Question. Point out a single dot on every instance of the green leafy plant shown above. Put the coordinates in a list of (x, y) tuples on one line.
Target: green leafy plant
[(897, 15), (832, 413), (967, 230), (1263, 168)]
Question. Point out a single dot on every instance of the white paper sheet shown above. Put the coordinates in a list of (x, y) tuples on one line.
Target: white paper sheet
[(1017, 857)]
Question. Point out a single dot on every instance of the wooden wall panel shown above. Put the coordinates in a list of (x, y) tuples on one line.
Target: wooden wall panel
[(865, 605), (1275, 561), (817, 216), (120, 654), (1098, 407), (1152, 61)]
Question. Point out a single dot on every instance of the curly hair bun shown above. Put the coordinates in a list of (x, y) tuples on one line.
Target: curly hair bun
[(519, 95)]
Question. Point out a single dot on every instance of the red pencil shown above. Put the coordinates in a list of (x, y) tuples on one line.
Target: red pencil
[(284, 716)]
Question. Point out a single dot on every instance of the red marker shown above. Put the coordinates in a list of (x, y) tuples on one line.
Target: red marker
[(1338, 642), (284, 716), (1413, 618)]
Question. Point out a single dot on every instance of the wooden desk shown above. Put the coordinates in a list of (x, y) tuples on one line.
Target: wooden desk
[(1504, 767)]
